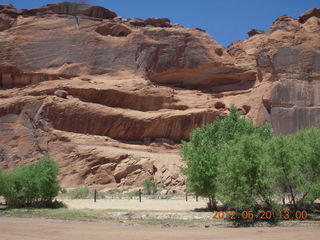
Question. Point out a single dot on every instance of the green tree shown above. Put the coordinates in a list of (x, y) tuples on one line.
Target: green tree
[(202, 152), (311, 165), (245, 173), (296, 159)]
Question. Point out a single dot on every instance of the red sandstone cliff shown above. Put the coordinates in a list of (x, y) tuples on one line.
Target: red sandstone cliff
[(110, 99)]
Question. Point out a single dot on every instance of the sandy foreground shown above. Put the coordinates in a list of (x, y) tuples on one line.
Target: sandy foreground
[(134, 204), (37, 228)]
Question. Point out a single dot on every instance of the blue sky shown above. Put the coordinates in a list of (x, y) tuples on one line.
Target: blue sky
[(225, 20)]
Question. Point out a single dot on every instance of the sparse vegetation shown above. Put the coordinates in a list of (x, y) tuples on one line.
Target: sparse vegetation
[(82, 192), (41, 79), (149, 83), (149, 187), (133, 194), (134, 216), (79, 193), (1, 182)]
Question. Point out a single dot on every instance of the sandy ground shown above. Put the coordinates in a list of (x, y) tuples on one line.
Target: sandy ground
[(134, 204), (36, 229)]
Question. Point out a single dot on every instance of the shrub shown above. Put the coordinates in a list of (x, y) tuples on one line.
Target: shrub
[(80, 193), (202, 152), (149, 83), (149, 187), (63, 191), (33, 185), (1, 182), (41, 79)]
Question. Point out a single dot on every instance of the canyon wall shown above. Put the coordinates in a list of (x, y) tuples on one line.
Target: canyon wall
[(111, 99)]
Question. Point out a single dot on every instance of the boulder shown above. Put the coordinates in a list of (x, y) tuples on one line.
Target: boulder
[(314, 12), (158, 22), (136, 22), (61, 93), (253, 32), (115, 30)]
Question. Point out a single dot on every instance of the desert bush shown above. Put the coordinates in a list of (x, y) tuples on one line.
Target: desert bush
[(79, 193), (149, 83), (1, 182), (63, 191), (41, 79), (33, 185), (149, 187)]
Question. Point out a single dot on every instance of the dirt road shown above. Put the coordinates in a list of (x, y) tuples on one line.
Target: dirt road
[(48, 229)]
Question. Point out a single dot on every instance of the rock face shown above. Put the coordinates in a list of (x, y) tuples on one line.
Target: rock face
[(288, 56), (314, 12), (110, 99), (8, 15), (164, 54), (71, 8)]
